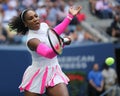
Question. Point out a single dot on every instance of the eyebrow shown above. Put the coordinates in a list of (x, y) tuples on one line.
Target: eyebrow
[(31, 15)]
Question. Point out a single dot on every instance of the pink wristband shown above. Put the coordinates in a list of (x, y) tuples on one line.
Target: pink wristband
[(70, 16)]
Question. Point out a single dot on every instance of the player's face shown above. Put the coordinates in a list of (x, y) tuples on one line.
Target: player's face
[(32, 21)]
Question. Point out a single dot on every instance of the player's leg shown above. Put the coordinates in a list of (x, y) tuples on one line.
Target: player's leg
[(58, 90), (27, 93)]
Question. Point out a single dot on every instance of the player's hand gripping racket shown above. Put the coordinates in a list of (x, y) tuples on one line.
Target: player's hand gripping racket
[(57, 42)]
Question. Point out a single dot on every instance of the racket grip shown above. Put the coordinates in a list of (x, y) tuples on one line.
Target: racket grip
[(66, 41)]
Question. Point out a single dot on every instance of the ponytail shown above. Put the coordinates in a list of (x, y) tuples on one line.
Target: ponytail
[(17, 24)]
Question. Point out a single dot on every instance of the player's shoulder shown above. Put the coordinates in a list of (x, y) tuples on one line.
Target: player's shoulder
[(43, 24), (43, 27)]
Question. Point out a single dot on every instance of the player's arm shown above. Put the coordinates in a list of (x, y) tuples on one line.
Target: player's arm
[(40, 48), (63, 25), (60, 28)]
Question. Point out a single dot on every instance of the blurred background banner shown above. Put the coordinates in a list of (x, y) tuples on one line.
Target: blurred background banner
[(13, 63), (83, 57), (75, 61)]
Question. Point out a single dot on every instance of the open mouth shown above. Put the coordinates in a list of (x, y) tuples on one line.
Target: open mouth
[(37, 23)]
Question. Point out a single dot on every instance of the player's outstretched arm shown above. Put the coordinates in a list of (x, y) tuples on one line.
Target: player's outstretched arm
[(63, 25)]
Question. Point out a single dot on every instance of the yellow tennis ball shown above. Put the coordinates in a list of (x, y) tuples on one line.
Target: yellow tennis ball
[(109, 61)]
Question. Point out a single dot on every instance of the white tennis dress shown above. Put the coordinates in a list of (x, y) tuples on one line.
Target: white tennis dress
[(43, 72)]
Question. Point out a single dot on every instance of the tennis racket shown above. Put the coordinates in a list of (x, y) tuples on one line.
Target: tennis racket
[(56, 42)]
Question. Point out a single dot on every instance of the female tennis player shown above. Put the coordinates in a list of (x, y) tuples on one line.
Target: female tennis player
[(44, 75)]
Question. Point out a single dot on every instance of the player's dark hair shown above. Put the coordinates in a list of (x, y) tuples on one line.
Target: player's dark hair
[(17, 23)]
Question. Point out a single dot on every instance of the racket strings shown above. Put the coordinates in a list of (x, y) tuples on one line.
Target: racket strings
[(55, 41)]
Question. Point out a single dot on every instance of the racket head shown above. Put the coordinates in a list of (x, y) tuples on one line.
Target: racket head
[(55, 41)]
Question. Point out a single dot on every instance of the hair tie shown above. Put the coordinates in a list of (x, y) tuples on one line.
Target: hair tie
[(22, 14)]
